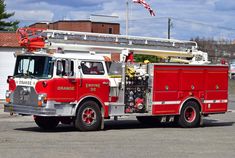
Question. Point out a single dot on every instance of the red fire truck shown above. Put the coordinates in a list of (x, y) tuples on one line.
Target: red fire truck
[(56, 82)]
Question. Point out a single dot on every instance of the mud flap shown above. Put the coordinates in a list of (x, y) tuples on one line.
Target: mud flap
[(102, 119), (201, 120), (102, 123)]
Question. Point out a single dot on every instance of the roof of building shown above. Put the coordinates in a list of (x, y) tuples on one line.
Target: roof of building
[(8, 39), (71, 21)]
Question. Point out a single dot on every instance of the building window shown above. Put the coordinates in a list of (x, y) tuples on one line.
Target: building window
[(110, 30)]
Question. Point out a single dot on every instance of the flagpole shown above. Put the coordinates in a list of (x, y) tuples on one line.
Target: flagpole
[(127, 18)]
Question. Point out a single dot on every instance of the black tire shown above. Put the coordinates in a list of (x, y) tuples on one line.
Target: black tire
[(189, 115), (88, 117), (47, 123), (149, 120)]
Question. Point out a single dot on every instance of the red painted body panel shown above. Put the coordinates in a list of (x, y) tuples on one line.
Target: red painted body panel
[(165, 109), (58, 89), (12, 84), (176, 83), (74, 90), (98, 88), (94, 87), (216, 107)]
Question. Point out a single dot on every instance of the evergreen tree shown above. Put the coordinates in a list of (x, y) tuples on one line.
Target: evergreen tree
[(6, 25)]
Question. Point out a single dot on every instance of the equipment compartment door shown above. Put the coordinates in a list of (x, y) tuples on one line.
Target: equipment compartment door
[(216, 96), (165, 90)]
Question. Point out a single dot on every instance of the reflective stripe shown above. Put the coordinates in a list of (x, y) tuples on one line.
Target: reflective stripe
[(224, 101), (106, 103), (215, 101), (208, 101), (165, 102), (178, 102)]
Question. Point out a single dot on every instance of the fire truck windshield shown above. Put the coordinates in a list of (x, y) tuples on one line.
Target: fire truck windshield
[(34, 67)]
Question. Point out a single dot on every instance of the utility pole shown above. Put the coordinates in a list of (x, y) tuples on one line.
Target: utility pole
[(169, 28), (127, 18)]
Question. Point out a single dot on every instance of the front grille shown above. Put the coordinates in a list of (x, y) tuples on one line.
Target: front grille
[(24, 95)]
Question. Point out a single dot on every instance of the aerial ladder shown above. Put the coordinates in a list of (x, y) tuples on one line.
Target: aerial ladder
[(34, 38)]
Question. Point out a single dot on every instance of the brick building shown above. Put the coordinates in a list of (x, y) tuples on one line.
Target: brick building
[(81, 25)]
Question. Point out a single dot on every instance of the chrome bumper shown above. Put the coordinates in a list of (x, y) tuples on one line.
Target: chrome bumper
[(29, 110)]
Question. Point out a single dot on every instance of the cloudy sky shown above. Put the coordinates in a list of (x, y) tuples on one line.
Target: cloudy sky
[(190, 18)]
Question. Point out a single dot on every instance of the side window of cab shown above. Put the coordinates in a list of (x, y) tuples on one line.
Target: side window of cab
[(65, 67), (92, 68)]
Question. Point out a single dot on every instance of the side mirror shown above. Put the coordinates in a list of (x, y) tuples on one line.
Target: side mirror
[(9, 78)]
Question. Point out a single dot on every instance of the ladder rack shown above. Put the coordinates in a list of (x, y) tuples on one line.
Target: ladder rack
[(33, 39), (71, 40)]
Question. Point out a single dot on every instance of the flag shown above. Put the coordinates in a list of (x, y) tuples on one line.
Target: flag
[(146, 6)]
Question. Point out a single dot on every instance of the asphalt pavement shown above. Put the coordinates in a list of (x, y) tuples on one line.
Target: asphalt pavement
[(21, 138)]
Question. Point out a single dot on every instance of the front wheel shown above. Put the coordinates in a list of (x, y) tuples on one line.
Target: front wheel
[(190, 115), (46, 123), (88, 117)]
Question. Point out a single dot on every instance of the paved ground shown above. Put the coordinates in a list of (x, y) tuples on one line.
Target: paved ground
[(20, 137)]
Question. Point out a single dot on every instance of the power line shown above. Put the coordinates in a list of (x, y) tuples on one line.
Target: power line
[(205, 24), (184, 20), (194, 22)]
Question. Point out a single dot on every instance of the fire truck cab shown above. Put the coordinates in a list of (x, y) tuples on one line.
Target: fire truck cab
[(55, 85)]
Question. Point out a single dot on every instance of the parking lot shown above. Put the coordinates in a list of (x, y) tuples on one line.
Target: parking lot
[(20, 137)]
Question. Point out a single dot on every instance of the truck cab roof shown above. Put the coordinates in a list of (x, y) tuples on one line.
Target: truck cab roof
[(80, 56), (69, 55)]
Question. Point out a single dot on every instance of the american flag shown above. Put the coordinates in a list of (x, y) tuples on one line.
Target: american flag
[(146, 5)]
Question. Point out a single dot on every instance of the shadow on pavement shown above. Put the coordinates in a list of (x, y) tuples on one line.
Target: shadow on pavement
[(60, 128), (215, 123), (126, 124)]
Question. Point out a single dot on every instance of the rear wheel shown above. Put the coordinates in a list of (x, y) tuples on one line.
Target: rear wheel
[(47, 123), (190, 115), (88, 117)]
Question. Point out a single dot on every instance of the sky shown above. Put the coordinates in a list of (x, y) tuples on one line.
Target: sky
[(190, 18)]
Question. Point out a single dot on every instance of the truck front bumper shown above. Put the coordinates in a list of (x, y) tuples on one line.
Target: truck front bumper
[(29, 110)]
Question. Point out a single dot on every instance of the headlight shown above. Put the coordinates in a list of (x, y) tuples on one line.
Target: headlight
[(8, 96), (42, 99)]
